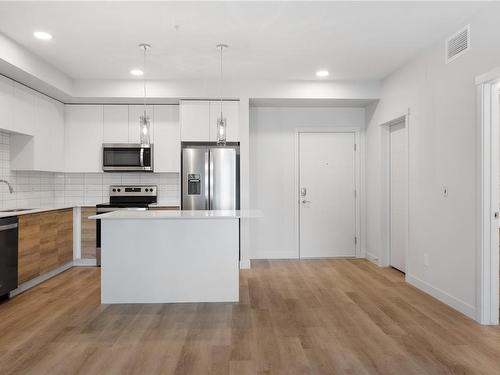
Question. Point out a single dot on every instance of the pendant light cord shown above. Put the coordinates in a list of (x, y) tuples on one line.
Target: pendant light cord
[(144, 80), (221, 49)]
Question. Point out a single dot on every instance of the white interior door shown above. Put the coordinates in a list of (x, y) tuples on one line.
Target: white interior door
[(398, 195), (327, 195)]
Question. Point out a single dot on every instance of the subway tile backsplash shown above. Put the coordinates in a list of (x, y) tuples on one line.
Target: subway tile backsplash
[(39, 189)]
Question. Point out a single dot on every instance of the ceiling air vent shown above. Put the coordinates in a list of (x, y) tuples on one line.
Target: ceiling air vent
[(457, 44)]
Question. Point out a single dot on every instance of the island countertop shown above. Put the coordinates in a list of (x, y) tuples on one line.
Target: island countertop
[(178, 214)]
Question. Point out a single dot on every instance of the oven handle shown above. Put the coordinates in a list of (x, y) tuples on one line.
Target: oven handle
[(100, 210), (142, 157), (7, 227)]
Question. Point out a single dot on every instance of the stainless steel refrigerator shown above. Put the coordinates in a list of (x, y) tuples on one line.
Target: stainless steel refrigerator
[(210, 177)]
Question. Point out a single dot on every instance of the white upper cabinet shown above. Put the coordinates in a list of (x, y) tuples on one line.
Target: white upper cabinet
[(49, 135), (167, 139), (134, 128), (37, 143), (24, 109), (199, 120), (6, 103), (231, 111), (194, 116), (115, 124), (83, 138)]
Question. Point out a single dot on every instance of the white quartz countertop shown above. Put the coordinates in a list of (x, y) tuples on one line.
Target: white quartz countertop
[(179, 214), (4, 213)]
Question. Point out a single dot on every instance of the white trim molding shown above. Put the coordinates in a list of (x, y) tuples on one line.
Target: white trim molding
[(85, 263), (457, 304), (487, 203), (245, 264), (40, 279), (372, 258), (384, 259)]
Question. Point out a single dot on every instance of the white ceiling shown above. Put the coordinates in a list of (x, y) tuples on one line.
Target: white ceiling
[(268, 40)]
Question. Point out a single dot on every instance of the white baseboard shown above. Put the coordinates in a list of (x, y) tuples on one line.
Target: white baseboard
[(457, 304), (372, 258), (40, 279), (245, 264), (85, 263), (275, 255)]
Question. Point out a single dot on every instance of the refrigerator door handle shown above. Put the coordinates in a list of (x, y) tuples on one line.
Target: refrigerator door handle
[(207, 182), (211, 180)]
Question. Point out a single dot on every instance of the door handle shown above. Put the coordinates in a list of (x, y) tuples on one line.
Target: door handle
[(207, 180), (305, 201)]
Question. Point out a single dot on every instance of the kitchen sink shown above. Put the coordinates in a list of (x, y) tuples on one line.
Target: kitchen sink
[(17, 210)]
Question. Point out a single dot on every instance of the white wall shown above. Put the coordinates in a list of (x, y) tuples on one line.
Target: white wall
[(442, 152), (272, 171)]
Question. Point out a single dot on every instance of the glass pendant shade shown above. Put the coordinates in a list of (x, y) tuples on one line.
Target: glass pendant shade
[(144, 124), (221, 130)]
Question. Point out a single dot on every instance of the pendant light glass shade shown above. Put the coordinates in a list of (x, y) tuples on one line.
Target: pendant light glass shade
[(221, 129), (145, 126), (221, 121)]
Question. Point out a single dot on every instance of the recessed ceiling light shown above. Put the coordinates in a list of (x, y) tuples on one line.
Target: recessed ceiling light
[(322, 73), (137, 72), (42, 35)]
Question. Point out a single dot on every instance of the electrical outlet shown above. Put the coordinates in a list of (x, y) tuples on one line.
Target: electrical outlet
[(426, 260), (445, 191)]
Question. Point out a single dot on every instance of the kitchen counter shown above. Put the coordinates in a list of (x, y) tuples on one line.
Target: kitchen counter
[(178, 214), (170, 256), (34, 211)]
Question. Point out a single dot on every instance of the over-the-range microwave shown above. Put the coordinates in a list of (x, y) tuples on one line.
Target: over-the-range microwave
[(127, 157)]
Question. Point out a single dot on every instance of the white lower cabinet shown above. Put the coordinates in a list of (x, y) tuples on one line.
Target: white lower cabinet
[(167, 139), (83, 138)]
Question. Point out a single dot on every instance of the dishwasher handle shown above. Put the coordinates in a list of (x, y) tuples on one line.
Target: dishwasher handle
[(7, 227)]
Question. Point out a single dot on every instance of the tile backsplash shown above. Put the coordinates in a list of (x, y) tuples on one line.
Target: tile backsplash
[(39, 189)]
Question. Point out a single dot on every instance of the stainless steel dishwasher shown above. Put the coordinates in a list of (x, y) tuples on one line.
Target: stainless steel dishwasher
[(8, 254)]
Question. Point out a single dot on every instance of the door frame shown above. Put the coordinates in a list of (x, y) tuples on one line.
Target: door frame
[(358, 183), (487, 232), (385, 199)]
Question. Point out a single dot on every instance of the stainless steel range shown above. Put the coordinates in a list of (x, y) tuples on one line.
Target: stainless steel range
[(128, 197)]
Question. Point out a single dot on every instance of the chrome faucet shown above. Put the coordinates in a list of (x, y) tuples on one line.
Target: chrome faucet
[(11, 189)]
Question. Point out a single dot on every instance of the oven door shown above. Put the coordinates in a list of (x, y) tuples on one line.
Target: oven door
[(119, 157)]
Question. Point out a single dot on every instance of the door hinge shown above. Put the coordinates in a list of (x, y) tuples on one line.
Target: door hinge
[(355, 147), (355, 193), (355, 240)]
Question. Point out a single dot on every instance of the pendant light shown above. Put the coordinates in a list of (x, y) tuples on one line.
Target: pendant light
[(221, 120), (144, 121)]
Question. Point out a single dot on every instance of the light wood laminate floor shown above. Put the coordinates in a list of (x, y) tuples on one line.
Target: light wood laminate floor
[(295, 317)]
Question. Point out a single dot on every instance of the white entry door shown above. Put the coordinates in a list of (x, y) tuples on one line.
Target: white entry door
[(398, 195), (327, 195)]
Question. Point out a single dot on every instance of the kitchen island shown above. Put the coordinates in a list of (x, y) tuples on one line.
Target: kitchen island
[(169, 256)]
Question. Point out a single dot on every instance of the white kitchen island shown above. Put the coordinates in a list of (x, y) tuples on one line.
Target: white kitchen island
[(169, 256)]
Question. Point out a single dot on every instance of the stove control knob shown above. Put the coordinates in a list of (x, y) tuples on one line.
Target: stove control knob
[(114, 190), (119, 190), (146, 190)]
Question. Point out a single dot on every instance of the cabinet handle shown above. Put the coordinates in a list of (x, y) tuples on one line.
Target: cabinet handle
[(7, 227)]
